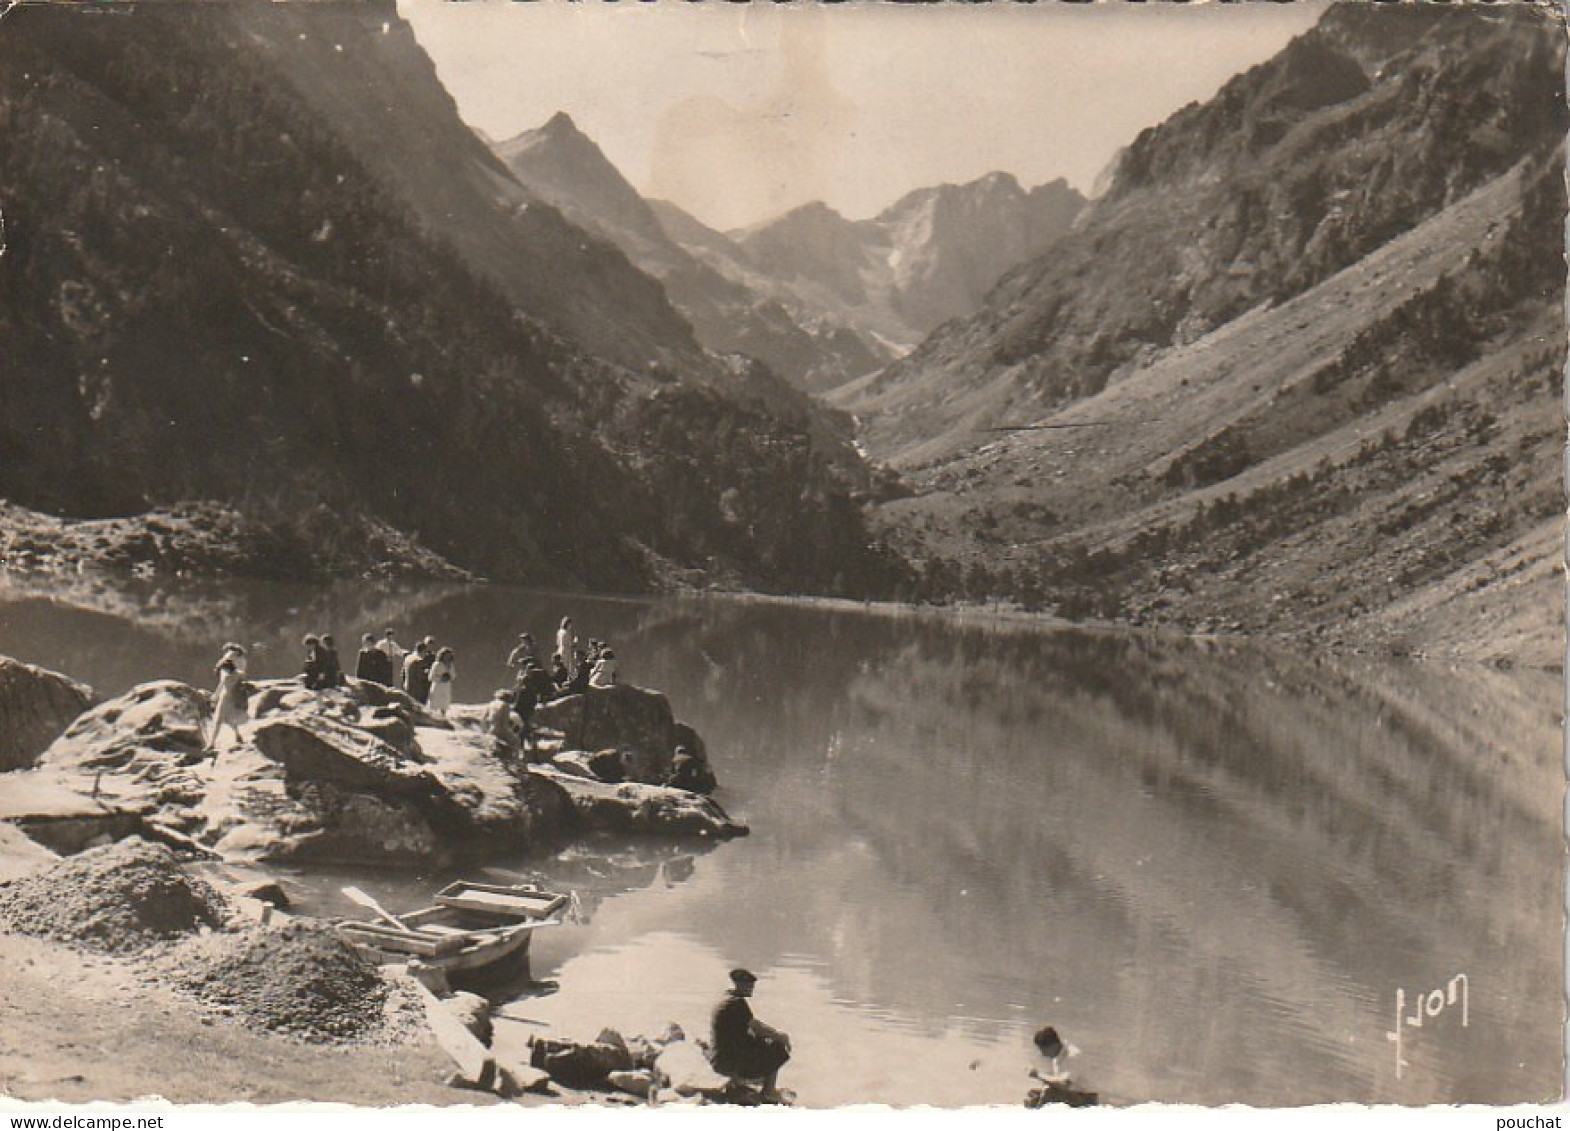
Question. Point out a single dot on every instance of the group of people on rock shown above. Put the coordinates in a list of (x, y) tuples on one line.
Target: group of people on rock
[(428, 674), (573, 671), (425, 672)]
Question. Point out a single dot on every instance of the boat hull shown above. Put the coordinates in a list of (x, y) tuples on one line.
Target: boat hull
[(469, 933)]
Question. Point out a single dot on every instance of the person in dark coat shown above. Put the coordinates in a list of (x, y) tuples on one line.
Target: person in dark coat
[(744, 1047), (417, 672), (314, 673), (560, 677), (533, 688), (332, 670), (579, 683), (373, 664)]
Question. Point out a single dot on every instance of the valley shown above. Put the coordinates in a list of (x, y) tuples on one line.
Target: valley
[(1293, 369)]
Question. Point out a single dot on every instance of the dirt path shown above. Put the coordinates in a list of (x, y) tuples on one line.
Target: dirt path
[(76, 1028)]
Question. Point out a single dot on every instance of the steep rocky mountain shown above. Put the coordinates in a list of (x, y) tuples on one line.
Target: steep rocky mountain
[(862, 351), (253, 256), (931, 256), (1299, 370), (566, 169), (359, 67), (1356, 132)]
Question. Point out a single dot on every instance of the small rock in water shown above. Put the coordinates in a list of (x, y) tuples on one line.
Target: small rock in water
[(637, 1082), (516, 1079), (267, 891)]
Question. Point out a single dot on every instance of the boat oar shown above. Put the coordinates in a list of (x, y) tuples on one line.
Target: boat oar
[(365, 900)]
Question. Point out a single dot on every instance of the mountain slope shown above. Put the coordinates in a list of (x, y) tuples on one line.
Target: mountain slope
[(1354, 133), (564, 168), (931, 256), (215, 287), (858, 352), (1372, 454), (359, 66)]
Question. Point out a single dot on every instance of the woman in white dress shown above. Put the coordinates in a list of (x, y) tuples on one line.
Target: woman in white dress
[(604, 674), (566, 642), (443, 673), (228, 706)]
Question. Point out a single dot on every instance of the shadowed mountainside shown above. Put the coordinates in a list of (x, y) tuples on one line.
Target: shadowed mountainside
[(253, 256)]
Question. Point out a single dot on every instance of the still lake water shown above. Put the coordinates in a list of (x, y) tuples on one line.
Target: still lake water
[(1210, 866)]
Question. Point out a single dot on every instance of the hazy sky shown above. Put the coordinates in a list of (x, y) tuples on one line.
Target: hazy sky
[(738, 112)]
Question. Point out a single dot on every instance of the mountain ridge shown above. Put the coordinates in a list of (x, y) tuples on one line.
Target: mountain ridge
[(928, 257), (1292, 171), (1357, 439), (565, 168)]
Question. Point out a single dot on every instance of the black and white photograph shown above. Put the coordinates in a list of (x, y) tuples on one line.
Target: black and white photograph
[(782, 556)]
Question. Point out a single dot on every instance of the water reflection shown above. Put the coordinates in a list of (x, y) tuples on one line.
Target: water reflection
[(1211, 866)]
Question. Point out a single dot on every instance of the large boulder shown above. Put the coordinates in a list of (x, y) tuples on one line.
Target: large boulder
[(361, 775), (346, 796), (634, 723), (319, 822), (305, 784), (633, 807), (164, 718), (134, 754), (361, 702), (36, 705), (312, 747)]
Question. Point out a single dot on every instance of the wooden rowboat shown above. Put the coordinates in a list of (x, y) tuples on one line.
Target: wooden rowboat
[(472, 926)]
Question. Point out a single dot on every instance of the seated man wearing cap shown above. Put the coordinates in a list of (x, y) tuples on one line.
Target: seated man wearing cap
[(745, 1048)]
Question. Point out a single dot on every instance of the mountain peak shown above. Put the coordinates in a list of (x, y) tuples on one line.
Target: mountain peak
[(559, 131), (998, 179), (563, 166), (561, 125)]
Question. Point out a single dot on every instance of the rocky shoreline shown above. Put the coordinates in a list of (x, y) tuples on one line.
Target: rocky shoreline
[(352, 776), (105, 798), (1464, 619), (122, 842), (210, 539)]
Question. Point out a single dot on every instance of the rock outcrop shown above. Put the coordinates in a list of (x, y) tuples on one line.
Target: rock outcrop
[(361, 775), (36, 705), (632, 807), (635, 723)]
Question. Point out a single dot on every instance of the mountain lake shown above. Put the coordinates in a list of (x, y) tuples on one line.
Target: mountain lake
[(1224, 871)]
